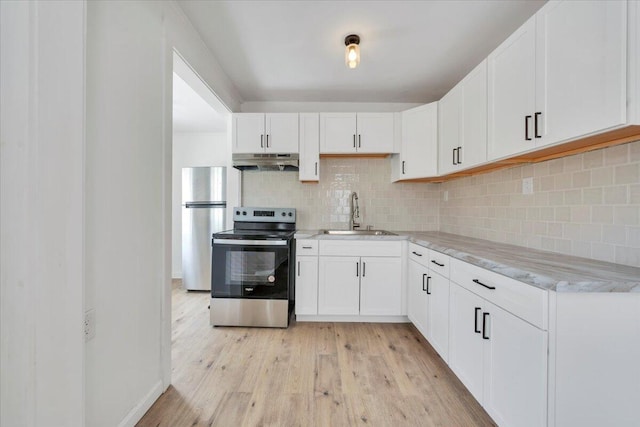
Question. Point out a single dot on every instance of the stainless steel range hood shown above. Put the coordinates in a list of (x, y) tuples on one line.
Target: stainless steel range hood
[(265, 162)]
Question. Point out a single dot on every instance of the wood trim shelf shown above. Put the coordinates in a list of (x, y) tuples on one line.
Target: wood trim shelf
[(583, 145)]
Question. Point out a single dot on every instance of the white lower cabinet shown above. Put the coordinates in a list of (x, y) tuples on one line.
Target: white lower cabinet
[(339, 285), (417, 303), (306, 293), (500, 358), (380, 294), (360, 285)]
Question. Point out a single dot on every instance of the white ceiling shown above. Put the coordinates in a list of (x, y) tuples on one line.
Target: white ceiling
[(191, 113), (412, 51)]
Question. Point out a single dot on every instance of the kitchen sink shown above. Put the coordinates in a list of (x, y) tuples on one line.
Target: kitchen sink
[(358, 232)]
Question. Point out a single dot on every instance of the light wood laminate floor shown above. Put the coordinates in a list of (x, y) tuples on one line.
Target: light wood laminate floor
[(311, 374)]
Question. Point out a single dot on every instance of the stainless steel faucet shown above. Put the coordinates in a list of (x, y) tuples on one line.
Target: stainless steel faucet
[(354, 211)]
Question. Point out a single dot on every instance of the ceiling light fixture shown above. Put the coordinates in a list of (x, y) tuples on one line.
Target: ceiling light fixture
[(352, 53)]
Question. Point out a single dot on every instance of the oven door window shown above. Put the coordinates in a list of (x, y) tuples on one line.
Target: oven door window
[(250, 272)]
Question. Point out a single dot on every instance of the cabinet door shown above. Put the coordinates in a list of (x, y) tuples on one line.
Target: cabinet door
[(512, 93), (375, 132), (474, 118), (417, 304), (380, 286), (420, 142), (581, 68), (281, 133), (449, 130), (465, 340), (515, 359), (338, 285), (438, 323), (337, 133), (309, 147), (248, 133), (306, 285)]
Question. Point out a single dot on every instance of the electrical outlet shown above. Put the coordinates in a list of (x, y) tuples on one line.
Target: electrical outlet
[(527, 185), (89, 325)]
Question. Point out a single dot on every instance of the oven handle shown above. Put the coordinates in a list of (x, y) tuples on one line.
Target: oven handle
[(250, 242)]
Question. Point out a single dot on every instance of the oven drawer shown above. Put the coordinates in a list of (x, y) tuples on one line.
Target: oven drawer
[(306, 247)]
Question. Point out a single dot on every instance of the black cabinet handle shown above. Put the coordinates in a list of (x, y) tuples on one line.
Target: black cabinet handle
[(482, 284), (354, 141), (458, 162), (261, 141), (298, 268), (307, 247), (484, 326), (403, 168), (428, 280), (475, 321), (359, 141), (267, 140), (416, 253), (453, 154), (437, 263), (357, 269), (535, 125), (364, 268), (526, 128), (316, 168), (423, 283)]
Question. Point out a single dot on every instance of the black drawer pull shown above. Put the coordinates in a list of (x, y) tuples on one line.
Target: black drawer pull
[(475, 321), (307, 247), (416, 253), (482, 284), (484, 326), (437, 263)]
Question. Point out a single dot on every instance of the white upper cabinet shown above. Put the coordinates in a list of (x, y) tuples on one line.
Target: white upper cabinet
[(419, 150), (462, 123), (350, 133), (265, 133), (511, 90), (560, 76), (581, 51), (309, 147)]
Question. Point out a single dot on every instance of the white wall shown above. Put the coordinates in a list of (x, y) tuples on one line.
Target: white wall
[(87, 213), (130, 63), (41, 213), (191, 149)]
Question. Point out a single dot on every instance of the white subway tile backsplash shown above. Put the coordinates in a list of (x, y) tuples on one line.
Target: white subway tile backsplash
[(584, 205)]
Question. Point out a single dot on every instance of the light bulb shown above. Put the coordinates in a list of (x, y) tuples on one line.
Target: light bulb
[(352, 55)]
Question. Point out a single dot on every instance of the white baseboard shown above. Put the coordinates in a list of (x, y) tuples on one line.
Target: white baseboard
[(142, 407), (354, 318)]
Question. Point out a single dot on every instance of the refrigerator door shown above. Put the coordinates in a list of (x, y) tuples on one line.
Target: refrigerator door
[(199, 222), (204, 184)]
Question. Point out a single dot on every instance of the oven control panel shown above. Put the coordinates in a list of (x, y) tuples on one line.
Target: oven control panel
[(250, 214)]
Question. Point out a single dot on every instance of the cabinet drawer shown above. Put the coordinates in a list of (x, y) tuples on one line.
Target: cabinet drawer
[(306, 247), (525, 301), (360, 248), (419, 254), (439, 263)]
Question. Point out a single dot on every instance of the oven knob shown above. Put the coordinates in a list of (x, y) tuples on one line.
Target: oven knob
[(290, 214), (244, 212), (284, 214), (237, 212)]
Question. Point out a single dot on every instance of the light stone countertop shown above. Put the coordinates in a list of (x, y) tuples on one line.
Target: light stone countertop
[(542, 269)]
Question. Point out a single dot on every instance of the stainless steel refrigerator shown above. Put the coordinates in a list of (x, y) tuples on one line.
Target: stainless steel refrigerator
[(204, 203)]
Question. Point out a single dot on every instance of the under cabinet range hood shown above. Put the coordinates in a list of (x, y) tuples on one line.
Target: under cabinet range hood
[(265, 162)]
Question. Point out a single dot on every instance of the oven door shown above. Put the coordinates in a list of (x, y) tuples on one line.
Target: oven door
[(250, 269)]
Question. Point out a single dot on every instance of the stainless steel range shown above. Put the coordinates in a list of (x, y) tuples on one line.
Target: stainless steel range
[(252, 269)]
